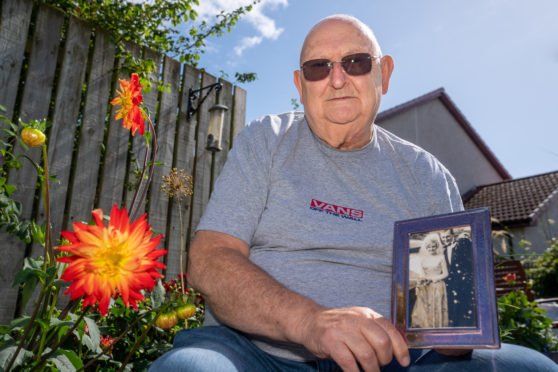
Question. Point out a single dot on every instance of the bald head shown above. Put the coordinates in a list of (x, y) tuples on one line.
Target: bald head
[(325, 23)]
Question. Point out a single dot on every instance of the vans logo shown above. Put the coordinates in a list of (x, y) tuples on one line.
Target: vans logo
[(336, 210)]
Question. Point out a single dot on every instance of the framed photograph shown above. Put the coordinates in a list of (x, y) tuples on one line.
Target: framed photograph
[(443, 281)]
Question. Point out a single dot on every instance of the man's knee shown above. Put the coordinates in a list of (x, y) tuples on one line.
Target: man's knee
[(205, 349), (509, 358), (193, 359), (516, 358)]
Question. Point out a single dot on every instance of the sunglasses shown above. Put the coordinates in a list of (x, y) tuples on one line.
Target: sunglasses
[(354, 65)]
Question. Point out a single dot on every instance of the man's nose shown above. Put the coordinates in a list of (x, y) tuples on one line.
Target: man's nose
[(338, 76)]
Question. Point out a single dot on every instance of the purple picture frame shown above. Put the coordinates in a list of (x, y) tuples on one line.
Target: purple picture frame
[(453, 307)]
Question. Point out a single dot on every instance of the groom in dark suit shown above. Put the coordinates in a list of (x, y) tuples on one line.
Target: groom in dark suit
[(460, 281)]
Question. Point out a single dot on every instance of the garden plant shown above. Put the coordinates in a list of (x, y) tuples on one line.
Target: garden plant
[(110, 263)]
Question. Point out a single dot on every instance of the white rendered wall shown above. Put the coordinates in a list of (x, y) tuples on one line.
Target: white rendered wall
[(431, 126)]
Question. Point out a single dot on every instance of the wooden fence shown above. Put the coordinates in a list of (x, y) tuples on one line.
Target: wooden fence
[(57, 67)]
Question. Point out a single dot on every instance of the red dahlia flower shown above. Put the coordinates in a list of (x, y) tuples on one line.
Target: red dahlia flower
[(109, 261)]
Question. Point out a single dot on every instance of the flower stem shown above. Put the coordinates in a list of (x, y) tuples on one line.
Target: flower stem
[(181, 250), (151, 167), (26, 331), (55, 346), (44, 335), (48, 232), (142, 337), (106, 349), (144, 167)]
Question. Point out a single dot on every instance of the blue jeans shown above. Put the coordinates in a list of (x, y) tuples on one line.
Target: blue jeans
[(217, 349)]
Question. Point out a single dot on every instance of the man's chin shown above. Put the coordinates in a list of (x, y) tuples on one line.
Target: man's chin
[(343, 118)]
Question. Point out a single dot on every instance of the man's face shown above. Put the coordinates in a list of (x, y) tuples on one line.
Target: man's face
[(341, 99), (447, 239)]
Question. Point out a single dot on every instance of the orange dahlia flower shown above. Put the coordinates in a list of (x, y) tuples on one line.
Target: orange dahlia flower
[(129, 98), (109, 261)]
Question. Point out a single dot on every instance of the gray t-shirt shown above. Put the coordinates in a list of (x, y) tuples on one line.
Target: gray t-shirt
[(320, 220)]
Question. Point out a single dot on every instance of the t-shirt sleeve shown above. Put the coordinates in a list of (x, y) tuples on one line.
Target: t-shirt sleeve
[(447, 198), (454, 197), (240, 192)]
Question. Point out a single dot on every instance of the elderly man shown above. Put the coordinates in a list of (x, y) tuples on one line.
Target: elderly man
[(293, 254)]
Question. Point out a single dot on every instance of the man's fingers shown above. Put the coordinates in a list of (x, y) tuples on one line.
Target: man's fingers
[(380, 344), (357, 335), (399, 345), (366, 355), (344, 357)]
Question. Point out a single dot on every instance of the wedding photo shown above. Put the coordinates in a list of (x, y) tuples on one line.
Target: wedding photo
[(441, 279)]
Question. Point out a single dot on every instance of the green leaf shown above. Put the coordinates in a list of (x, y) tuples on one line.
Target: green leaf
[(7, 350), (86, 340), (27, 289), (94, 332), (32, 267), (18, 323), (66, 360), (55, 322)]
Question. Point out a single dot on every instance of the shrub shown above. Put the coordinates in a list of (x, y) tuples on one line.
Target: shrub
[(523, 323), (544, 272)]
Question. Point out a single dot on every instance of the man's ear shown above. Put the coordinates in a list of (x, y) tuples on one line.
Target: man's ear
[(387, 69), (298, 84)]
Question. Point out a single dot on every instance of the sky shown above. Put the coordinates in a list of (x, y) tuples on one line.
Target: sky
[(496, 59)]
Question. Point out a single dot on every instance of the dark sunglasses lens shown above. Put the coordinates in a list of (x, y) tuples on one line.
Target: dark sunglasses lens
[(316, 69), (357, 64)]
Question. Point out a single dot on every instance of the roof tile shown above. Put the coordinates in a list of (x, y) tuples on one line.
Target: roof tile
[(515, 202)]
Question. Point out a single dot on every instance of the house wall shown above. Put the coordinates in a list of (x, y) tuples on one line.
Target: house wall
[(538, 235), (431, 126)]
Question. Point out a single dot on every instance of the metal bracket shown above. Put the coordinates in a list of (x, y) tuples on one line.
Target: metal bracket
[(197, 94)]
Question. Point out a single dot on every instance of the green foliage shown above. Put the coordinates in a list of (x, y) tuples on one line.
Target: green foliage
[(523, 323), (295, 104), (245, 77), (10, 209), (86, 338), (155, 24), (544, 272)]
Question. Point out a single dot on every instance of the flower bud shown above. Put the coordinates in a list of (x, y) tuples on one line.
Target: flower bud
[(167, 320), (186, 311), (32, 137)]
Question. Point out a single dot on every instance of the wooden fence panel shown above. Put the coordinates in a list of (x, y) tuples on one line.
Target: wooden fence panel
[(15, 23), (75, 140), (239, 112), (202, 168), (185, 143), (138, 142), (34, 105), (158, 201), (66, 111), (116, 151), (92, 129), (36, 97), (16, 15)]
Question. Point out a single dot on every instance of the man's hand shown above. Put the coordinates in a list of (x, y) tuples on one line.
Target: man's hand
[(354, 335)]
